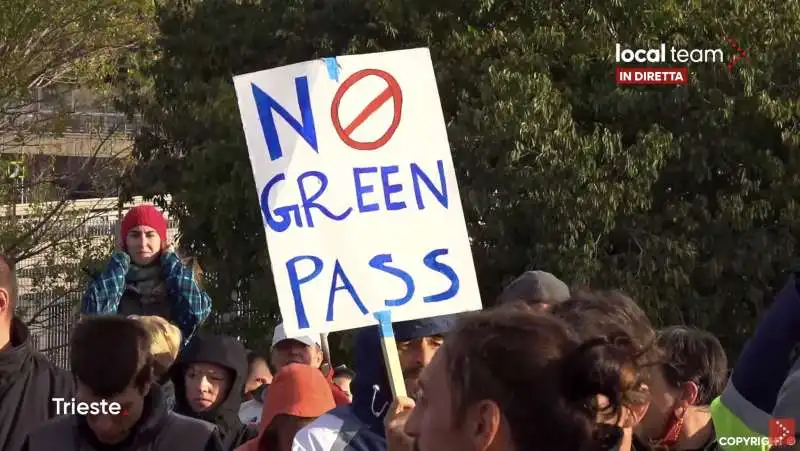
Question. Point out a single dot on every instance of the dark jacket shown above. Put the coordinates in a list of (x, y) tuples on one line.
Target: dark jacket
[(28, 383), (227, 353), (187, 304), (168, 388), (359, 427), (157, 430)]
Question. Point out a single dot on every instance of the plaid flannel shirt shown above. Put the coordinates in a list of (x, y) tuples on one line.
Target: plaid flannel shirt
[(190, 304)]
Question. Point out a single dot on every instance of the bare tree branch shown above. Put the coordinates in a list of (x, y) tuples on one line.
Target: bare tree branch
[(45, 225), (49, 48), (35, 318)]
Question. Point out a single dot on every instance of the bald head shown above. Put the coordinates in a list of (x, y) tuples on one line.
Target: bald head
[(8, 288)]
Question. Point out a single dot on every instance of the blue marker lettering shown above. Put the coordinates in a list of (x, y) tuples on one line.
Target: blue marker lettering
[(284, 214), (389, 188), (431, 262), (295, 281), (381, 263), (362, 189), (309, 202), (265, 105), (418, 174), (338, 273)]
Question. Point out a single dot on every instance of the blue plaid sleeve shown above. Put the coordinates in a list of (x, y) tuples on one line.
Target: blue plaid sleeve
[(190, 304), (104, 290)]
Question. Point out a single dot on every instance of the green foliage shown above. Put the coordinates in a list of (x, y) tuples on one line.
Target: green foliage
[(50, 48), (682, 196), (50, 41)]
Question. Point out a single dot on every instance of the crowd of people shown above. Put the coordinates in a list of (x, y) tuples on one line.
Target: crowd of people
[(547, 368)]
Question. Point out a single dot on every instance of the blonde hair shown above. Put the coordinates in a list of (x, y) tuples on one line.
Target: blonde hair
[(165, 340)]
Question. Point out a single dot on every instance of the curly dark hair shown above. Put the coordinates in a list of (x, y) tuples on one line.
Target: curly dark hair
[(596, 314)]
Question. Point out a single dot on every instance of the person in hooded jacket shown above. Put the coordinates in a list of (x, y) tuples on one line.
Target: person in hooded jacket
[(359, 427), (28, 380), (299, 395), (209, 379), (146, 277)]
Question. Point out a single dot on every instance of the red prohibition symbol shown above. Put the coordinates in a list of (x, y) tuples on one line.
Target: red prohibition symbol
[(392, 92)]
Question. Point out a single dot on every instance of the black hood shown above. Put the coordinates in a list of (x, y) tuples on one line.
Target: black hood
[(226, 352)]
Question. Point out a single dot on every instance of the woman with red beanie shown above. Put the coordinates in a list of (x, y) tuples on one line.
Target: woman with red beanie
[(147, 278)]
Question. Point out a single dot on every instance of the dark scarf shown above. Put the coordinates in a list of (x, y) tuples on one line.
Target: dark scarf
[(146, 281), (138, 273)]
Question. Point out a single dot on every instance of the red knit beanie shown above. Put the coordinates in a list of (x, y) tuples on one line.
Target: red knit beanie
[(144, 215)]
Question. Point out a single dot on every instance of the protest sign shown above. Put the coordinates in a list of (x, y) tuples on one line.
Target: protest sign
[(357, 191)]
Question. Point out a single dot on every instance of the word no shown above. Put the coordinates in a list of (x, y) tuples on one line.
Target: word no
[(305, 127), (374, 188), (383, 263), (73, 407)]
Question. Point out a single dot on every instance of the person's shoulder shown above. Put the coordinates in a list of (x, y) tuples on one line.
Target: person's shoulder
[(250, 412), (52, 433), (54, 426), (59, 378), (251, 404), (249, 432), (189, 425), (323, 429), (340, 425), (182, 432)]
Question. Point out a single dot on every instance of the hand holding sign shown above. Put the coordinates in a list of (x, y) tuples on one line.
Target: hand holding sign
[(395, 423), (359, 199)]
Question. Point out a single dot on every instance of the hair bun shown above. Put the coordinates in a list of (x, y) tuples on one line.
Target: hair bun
[(604, 366)]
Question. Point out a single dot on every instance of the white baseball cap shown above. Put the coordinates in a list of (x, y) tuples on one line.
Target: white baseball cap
[(279, 335)]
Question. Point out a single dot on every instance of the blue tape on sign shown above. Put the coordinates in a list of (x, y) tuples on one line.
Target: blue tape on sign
[(333, 68), (385, 320)]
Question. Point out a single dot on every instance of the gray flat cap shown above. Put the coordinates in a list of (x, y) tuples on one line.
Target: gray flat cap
[(535, 287)]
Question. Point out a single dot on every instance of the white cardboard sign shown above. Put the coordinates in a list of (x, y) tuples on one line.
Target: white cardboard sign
[(357, 191)]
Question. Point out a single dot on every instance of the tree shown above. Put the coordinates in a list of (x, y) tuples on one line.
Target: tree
[(53, 51), (681, 196)]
